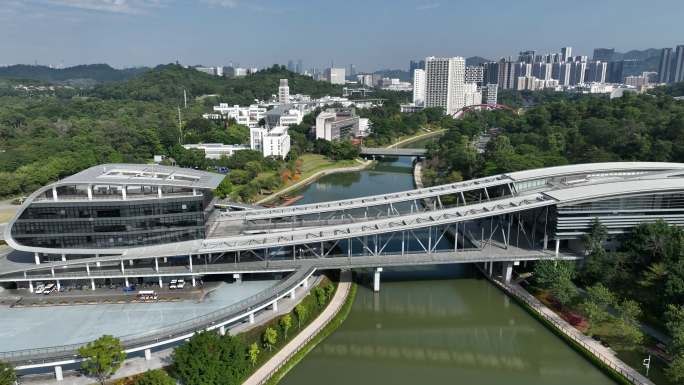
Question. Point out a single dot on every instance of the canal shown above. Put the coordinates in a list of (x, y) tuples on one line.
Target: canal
[(433, 325)]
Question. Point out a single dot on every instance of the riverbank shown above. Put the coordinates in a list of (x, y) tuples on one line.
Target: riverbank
[(301, 341), (416, 138), (601, 356)]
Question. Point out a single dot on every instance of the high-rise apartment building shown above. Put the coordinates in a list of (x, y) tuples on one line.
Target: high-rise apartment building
[(579, 70), (506, 75), (491, 73), (566, 54), (419, 87), (445, 83), (527, 56), (665, 67), (416, 65), (283, 92), (300, 67), (678, 65), (603, 54), (474, 74), (490, 94), (596, 72), (290, 66)]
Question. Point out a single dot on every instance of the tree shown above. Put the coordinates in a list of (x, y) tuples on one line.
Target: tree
[(270, 337), (253, 353), (285, 324), (675, 371), (7, 374), (154, 377), (209, 358), (556, 276), (321, 297), (301, 311), (329, 290), (599, 298), (102, 357)]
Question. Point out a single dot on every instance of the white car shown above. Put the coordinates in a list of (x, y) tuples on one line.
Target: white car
[(49, 288), (180, 284), (39, 289), (172, 285)]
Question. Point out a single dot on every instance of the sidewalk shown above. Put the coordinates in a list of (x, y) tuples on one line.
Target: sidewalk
[(279, 359), (162, 358), (602, 353)]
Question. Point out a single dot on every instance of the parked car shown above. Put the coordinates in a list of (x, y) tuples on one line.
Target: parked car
[(180, 284), (49, 288), (39, 289), (172, 285)]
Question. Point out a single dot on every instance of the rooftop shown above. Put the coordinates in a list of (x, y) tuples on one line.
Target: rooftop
[(132, 174), (593, 168)]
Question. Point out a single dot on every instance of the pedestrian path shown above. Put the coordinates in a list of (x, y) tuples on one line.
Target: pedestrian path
[(300, 340), (604, 354)]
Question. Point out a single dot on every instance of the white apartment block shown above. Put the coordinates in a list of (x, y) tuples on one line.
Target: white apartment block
[(283, 92), (333, 125), (271, 142), (335, 75), (445, 83), (216, 150), (472, 95), (474, 74), (491, 93), (418, 87), (247, 116)]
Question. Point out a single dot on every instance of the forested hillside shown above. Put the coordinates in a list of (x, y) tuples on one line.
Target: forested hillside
[(49, 136), (94, 72), (648, 127)]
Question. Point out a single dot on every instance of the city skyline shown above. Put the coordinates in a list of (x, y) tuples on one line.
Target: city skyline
[(128, 33)]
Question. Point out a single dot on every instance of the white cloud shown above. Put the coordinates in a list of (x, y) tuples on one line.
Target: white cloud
[(221, 3), (113, 6)]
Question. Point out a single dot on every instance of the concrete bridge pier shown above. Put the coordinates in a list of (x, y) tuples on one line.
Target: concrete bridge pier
[(148, 354), (507, 271), (251, 318), (275, 306), (222, 330), (58, 373), (376, 279), (237, 277)]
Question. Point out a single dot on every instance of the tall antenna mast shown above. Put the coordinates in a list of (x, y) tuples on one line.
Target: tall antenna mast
[(180, 127), (185, 98)]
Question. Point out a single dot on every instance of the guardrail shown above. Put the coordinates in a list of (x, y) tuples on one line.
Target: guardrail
[(47, 356), (575, 335)]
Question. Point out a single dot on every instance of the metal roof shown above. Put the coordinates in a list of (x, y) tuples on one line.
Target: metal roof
[(134, 174), (592, 168)]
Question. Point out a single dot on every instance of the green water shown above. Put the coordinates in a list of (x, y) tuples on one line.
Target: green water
[(435, 325)]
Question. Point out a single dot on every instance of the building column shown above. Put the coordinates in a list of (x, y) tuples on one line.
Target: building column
[(148, 354), (156, 264), (123, 192), (59, 285), (237, 277), (190, 260), (54, 193), (123, 269), (58, 373), (194, 283), (275, 306), (92, 284), (292, 294), (507, 271), (52, 271), (30, 287), (37, 258), (126, 282), (159, 192), (88, 268), (161, 284), (251, 318), (64, 258), (491, 268), (557, 247), (90, 192), (130, 262), (376, 279), (305, 284), (222, 330)]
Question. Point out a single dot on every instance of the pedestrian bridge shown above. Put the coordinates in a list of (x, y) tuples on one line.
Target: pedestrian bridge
[(379, 151)]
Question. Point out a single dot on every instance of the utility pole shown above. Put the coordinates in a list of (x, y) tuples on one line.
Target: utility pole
[(180, 127), (185, 98)]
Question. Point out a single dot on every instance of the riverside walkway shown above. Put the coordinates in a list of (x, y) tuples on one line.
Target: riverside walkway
[(298, 342), (602, 353)]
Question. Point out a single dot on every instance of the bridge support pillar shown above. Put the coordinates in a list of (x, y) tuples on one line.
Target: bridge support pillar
[(557, 247), (491, 268), (156, 265), (126, 282), (30, 287), (275, 306), (376, 279), (222, 330), (63, 257), (92, 284), (507, 271), (36, 256), (59, 286), (97, 264), (58, 373), (251, 318), (292, 294), (237, 277), (148, 354), (305, 284), (194, 282), (161, 284)]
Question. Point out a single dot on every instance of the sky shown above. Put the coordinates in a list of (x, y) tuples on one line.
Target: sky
[(371, 34)]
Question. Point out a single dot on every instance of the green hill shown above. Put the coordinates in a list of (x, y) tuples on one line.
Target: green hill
[(167, 83), (97, 73)]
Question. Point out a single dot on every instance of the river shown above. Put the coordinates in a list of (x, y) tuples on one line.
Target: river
[(433, 325)]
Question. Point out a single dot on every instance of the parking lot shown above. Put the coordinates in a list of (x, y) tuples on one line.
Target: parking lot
[(42, 326)]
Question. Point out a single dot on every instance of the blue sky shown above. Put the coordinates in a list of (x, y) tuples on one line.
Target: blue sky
[(369, 33)]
